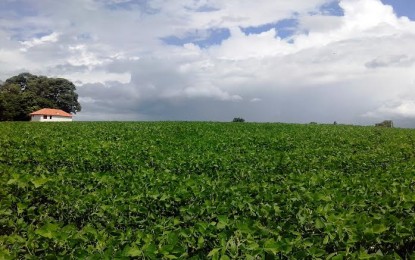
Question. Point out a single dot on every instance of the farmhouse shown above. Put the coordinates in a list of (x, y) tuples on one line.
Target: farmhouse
[(50, 115)]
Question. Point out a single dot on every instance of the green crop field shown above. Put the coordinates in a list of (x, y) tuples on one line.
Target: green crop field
[(168, 190)]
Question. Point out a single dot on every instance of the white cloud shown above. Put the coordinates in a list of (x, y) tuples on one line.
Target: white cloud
[(97, 76), (255, 100), (210, 91), (241, 46), (86, 100), (401, 108), (82, 56), (50, 38), (10, 60)]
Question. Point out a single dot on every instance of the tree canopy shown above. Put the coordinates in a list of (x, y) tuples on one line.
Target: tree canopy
[(22, 94)]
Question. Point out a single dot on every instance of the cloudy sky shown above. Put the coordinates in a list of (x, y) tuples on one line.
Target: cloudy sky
[(350, 61)]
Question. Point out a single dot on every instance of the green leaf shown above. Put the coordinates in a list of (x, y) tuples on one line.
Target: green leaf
[(252, 246), (176, 221), (133, 251), (39, 182), (150, 249), (319, 224), (271, 246), (5, 212), (223, 222), (337, 257), (214, 252), (396, 256), (326, 240), (244, 228), (202, 227), (48, 230), (200, 242), (11, 181), (21, 207), (379, 228), (173, 238), (5, 254), (364, 255), (89, 229)]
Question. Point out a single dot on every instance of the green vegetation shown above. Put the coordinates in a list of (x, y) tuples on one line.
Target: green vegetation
[(206, 190), (238, 120), (25, 93)]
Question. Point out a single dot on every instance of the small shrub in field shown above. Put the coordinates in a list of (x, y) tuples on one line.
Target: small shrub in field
[(238, 120)]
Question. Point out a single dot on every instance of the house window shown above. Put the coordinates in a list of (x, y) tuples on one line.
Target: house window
[(45, 117), (50, 117)]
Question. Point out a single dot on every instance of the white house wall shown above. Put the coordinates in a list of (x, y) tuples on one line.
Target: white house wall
[(36, 118), (39, 118)]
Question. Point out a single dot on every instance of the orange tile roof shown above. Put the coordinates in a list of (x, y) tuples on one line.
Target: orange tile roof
[(51, 112)]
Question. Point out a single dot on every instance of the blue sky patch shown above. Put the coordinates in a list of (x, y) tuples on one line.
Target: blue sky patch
[(202, 39), (402, 7), (41, 34), (9, 9), (17, 34), (84, 37), (207, 9), (203, 9), (142, 5), (285, 28), (123, 5), (333, 9), (27, 33)]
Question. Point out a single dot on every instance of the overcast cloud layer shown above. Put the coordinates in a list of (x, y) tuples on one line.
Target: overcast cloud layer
[(350, 61)]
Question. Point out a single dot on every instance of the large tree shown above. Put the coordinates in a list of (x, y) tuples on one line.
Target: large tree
[(22, 94)]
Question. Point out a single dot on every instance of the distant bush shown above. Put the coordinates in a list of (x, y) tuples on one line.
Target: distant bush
[(238, 120)]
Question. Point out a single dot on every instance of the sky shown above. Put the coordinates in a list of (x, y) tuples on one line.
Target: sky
[(350, 61)]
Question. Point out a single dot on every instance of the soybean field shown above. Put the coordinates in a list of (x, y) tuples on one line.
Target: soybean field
[(204, 190)]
